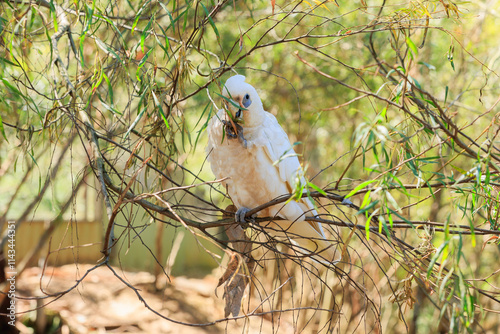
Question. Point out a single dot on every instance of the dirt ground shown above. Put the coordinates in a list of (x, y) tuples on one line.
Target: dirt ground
[(102, 303)]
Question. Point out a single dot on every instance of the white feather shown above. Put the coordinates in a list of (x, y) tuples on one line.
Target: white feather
[(254, 176)]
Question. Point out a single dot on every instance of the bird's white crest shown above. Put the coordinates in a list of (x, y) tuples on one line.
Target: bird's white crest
[(237, 89), (264, 169)]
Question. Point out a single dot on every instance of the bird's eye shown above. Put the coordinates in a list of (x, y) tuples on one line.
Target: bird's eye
[(246, 101)]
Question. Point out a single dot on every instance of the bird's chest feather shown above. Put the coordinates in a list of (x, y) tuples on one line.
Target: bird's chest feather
[(252, 178)]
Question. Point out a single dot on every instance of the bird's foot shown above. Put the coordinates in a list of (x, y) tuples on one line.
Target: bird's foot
[(347, 202), (230, 130), (240, 217), (234, 132), (242, 139)]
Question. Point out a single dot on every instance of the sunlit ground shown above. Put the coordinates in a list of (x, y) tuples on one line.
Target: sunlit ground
[(103, 304)]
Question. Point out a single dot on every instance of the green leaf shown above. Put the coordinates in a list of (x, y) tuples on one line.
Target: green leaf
[(460, 170), (230, 101), (145, 32), (160, 109), (82, 61), (383, 113), (287, 154), (429, 66), (115, 28), (141, 64), (111, 108), (430, 102), (167, 44), (367, 228), (210, 20), (450, 57), (401, 217), (223, 134), (179, 16), (2, 130), (391, 200), (429, 160), (104, 47), (368, 223), (169, 15), (110, 89), (53, 12), (442, 287), (367, 208), (436, 256), (184, 132), (96, 84), (318, 189), (205, 125), (184, 26), (4, 60), (390, 72), (389, 216), (11, 7), (412, 46), (138, 16), (359, 187), (382, 223), (366, 199), (30, 153), (12, 88), (417, 84)]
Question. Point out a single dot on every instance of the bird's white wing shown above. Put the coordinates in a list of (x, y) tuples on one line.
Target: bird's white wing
[(281, 153)]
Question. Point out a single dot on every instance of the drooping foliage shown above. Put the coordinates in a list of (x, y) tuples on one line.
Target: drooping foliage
[(390, 105)]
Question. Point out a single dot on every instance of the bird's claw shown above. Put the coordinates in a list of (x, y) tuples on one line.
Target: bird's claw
[(242, 139), (234, 132), (231, 132), (240, 217), (346, 201)]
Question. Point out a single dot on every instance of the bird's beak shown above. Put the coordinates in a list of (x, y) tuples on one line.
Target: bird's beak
[(239, 114), (240, 102)]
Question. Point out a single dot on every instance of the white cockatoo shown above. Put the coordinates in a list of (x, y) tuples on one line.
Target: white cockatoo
[(260, 165)]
